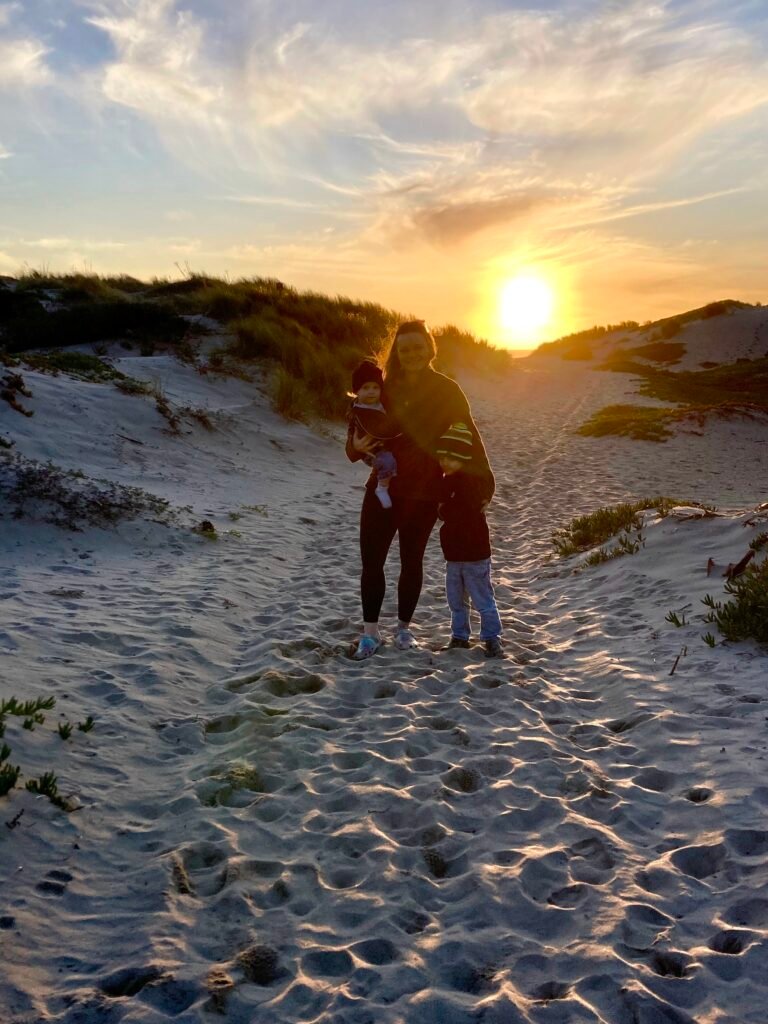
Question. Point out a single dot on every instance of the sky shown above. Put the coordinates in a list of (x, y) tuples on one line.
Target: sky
[(419, 154)]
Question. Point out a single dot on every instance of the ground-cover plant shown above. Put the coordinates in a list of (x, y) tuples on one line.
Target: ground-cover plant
[(639, 422), (31, 711), (659, 351), (47, 785), (726, 390), (745, 615), (675, 619), (69, 499), (75, 364), (9, 775), (588, 531), (626, 544)]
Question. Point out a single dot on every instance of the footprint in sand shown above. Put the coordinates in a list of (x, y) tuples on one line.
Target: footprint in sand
[(747, 842), (550, 991), (654, 779), (749, 913), (700, 861), (199, 868), (55, 883), (591, 861), (569, 897), (671, 964), (699, 794), (643, 925), (731, 942)]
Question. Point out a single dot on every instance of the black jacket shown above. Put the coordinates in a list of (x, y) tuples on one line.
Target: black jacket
[(368, 419), (423, 414), (464, 534)]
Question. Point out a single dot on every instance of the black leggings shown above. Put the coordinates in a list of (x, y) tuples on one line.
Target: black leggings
[(413, 522)]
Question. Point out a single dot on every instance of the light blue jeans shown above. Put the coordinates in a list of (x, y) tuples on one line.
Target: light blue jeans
[(471, 580)]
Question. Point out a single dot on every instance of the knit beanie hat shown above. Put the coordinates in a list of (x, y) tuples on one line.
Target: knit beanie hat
[(456, 442), (366, 373)]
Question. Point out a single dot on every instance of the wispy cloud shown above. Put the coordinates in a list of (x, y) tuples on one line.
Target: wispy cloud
[(159, 70), (464, 130), (56, 244), (22, 63)]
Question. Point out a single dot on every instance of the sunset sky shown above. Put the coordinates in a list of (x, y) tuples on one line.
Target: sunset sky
[(421, 154)]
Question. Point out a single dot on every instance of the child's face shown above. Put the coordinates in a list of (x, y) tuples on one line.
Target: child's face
[(369, 393), (449, 465)]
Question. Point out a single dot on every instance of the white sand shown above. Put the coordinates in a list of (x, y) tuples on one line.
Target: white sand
[(271, 830)]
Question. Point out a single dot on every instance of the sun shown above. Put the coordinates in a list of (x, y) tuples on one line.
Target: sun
[(526, 304)]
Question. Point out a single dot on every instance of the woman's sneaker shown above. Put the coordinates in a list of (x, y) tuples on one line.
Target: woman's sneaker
[(405, 640), (494, 648), (367, 646), (456, 642)]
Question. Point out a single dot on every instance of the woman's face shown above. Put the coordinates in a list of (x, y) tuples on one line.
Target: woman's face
[(412, 352)]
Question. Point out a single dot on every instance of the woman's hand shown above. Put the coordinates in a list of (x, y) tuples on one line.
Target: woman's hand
[(363, 443)]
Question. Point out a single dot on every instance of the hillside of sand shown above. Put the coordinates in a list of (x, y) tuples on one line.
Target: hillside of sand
[(262, 830)]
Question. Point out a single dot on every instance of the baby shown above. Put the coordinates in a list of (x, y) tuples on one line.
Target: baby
[(368, 416), (466, 543)]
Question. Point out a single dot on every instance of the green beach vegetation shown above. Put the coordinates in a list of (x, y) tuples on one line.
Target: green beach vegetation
[(308, 341)]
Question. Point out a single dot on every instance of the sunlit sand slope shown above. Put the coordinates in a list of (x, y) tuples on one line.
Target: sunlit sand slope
[(271, 832)]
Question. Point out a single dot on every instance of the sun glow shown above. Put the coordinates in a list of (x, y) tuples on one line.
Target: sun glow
[(526, 305)]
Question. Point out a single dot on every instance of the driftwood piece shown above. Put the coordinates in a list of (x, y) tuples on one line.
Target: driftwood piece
[(736, 569)]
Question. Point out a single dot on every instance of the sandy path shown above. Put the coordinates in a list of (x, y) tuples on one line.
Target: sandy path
[(444, 839), (429, 837)]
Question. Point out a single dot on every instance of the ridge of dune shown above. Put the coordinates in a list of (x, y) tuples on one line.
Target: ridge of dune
[(267, 831)]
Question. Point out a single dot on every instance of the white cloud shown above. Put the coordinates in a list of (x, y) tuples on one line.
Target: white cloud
[(499, 117), (160, 69), (22, 63), (58, 244)]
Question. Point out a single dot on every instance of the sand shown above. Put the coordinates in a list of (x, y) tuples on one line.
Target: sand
[(267, 831)]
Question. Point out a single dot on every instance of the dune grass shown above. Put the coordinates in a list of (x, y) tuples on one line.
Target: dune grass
[(311, 342), (659, 351)]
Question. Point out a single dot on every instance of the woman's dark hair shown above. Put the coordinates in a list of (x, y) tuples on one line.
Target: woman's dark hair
[(392, 368)]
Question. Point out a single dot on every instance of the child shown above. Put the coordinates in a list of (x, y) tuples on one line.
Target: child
[(368, 416), (466, 544)]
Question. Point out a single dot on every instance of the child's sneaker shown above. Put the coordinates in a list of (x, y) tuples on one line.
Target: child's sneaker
[(405, 640), (494, 648), (367, 646), (457, 643), (382, 493)]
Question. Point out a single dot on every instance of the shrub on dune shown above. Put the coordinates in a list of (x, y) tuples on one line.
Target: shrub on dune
[(587, 531), (745, 615)]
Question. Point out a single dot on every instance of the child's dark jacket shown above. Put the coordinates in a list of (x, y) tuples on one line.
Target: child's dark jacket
[(464, 534), (373, 420)]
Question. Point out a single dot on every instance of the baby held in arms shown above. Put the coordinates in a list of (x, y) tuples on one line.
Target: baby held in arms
[(367, 415)]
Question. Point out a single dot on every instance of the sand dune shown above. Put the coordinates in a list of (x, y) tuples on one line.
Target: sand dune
[(270, 832)]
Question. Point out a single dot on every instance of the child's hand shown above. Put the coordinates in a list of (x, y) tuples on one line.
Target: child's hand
[(364, 443)]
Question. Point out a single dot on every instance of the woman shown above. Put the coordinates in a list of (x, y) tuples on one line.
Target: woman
[(424, 403)]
